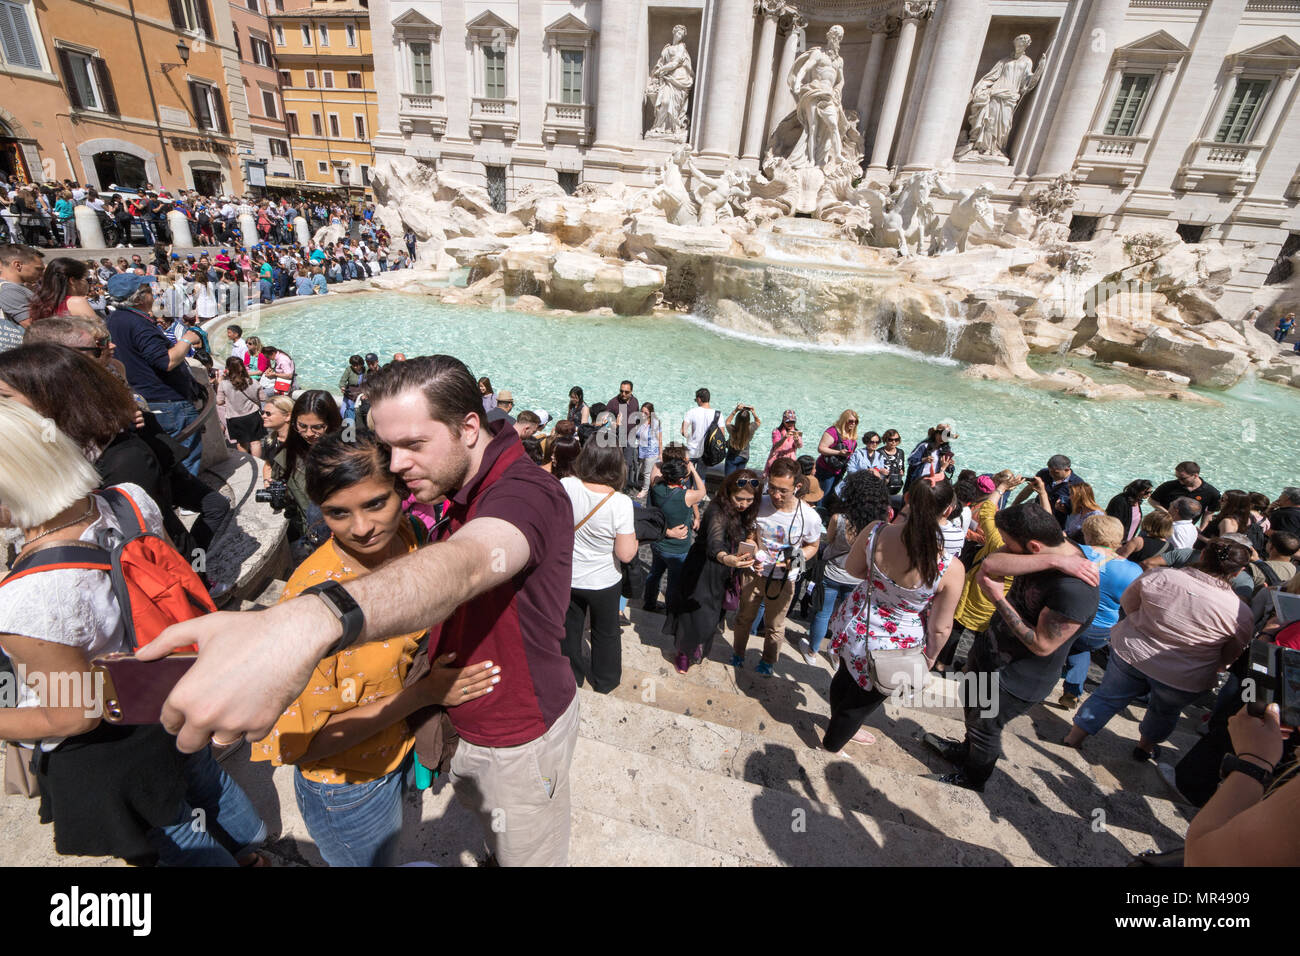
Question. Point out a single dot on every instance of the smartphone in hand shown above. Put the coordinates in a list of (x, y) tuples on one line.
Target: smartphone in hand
[(134, 691)]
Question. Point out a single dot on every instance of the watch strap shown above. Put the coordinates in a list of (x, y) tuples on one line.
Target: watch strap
[(343, 606), (1231, 763)]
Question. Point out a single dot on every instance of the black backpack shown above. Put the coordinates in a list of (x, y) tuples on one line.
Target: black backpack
[(714, 449)]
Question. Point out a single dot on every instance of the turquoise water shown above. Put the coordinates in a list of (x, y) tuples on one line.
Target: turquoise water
[(1250, 441)]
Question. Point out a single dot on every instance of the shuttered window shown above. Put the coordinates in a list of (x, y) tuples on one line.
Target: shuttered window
[(1133, 89), (422, 68), (1242, 110), (570, 76), (20, 48), (87, 80), (209, 107)]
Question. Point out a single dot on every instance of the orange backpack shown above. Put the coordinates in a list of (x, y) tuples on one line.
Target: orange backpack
[(153, 585)]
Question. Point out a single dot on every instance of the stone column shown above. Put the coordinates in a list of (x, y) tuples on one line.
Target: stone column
[(1278, 99), (616, 52), (892, 101), (961, 25), (248, 229), (1279, 164), (731, 43), (179, 227), (302, 231), (760, 87), (783, 101), (877, 24), (1073, 110)]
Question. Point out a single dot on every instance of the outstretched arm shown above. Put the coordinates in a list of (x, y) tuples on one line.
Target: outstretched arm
[(249, 669)]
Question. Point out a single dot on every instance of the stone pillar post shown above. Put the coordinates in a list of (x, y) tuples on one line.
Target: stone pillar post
[(961, 25), (760, 88), (301, 231), (180, 229), (871, 73), (88, 228), (891, 103), (783, 100), (1074, 109), (248, 229), (731, 43), (616, 52)]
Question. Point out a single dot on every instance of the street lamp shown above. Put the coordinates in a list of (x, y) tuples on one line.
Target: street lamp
[(183, 49)]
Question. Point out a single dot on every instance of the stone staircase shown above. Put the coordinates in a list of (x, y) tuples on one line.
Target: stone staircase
[(719, 767)]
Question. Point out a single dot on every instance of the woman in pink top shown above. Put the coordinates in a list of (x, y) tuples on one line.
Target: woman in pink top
[(786, 440), (1183, 626)]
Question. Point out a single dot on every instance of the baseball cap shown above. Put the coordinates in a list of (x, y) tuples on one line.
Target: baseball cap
[(788, 416), (124, 284), (372, 357), (544, 416), (175, 255)]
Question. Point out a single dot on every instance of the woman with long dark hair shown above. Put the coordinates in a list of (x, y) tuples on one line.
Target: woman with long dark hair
[(1083, 505), (563, 455), (1127, 506), (489, 396), (579, 411), (1181, 627), (63, 290), (241, 397), (742, 425), (696, 612), (895, 623), (315, 414), (862, 500)]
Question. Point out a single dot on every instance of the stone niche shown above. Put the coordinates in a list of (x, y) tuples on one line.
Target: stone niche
[(998, 46), (660, 22)]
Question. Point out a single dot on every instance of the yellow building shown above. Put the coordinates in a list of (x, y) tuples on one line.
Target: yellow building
[(121, 92), (327, 82)]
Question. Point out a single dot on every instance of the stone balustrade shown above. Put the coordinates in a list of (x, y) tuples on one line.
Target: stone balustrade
[(1220, 167), (1125, 156)]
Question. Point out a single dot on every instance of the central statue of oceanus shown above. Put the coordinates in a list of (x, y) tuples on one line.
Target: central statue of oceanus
[(818, 133)]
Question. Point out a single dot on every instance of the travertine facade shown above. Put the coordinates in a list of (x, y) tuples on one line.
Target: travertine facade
[(1170, 113)]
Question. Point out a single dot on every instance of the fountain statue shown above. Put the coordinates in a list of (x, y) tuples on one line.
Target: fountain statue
[(718, 197), (669, 90), (818, 133), (993, 103), (972, 207)]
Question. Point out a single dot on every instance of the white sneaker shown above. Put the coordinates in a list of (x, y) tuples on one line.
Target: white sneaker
[(805, 649)]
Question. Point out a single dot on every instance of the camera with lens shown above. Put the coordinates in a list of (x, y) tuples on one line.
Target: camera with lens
[(273, 494)]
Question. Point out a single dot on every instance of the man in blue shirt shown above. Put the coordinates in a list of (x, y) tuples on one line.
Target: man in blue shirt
[(154, 369)]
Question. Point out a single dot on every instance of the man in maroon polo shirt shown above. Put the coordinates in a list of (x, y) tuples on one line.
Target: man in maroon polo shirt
[(493, 589)]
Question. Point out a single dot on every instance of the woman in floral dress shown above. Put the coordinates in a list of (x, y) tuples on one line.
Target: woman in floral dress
[(906, 602)]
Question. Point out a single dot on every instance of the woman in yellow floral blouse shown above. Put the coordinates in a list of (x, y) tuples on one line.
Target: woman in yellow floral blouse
[(347, 732)]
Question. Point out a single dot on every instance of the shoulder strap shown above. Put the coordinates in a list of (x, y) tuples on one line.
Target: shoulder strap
[(59, 556), (592, 512), (1270, 575), (126, 512)]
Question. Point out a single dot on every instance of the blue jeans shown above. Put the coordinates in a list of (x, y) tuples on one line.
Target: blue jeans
[(1086, 641), (348, 409), (835, 595), (217, 824), (1124, 684), (828, 481), (354, 824), (172, 418), (672, 563), (735, 461)]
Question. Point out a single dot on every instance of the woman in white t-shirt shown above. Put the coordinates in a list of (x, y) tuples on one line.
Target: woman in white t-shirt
[(603, 536), (110, 790)]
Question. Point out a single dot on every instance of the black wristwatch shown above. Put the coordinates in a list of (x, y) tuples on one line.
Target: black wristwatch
[(345, 608), (1232, 762)]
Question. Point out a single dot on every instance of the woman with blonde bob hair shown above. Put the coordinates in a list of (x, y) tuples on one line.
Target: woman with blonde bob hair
[(123, 791), (836, 447)]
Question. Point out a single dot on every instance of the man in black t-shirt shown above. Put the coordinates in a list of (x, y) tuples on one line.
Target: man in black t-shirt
[(1054, 596), (1187, 483)]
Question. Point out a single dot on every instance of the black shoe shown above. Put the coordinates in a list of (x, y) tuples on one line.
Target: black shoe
[(949, 750), (652, 607), (957, 779), (1142, 756)]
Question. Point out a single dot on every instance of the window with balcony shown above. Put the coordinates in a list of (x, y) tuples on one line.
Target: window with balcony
[(261, 51), (1127, 108), (421, 68), (209, 107), (571, 76), (268, 105), (86, 78), (494, 72), (1242, 112)]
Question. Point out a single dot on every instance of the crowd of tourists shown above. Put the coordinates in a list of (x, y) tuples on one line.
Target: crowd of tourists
[(490, 554)]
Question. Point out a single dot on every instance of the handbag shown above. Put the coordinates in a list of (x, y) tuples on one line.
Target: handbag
[(282, 387)]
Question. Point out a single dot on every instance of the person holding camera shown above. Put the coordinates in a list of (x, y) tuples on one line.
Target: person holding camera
[(837, 446), (314, 415), (786, 440), (787, 534), (742, 424)]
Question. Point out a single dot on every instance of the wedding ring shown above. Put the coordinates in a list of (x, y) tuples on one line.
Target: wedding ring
[(225, 743)]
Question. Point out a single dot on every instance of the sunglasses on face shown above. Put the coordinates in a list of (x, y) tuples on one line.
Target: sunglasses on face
[(872, 444), (96, 350), (313, 429), (752, 483)]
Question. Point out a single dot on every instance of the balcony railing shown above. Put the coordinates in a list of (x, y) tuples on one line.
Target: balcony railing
[(1220, 167), (494, 111), (430, 108), (567, 117), (1124, 156)]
